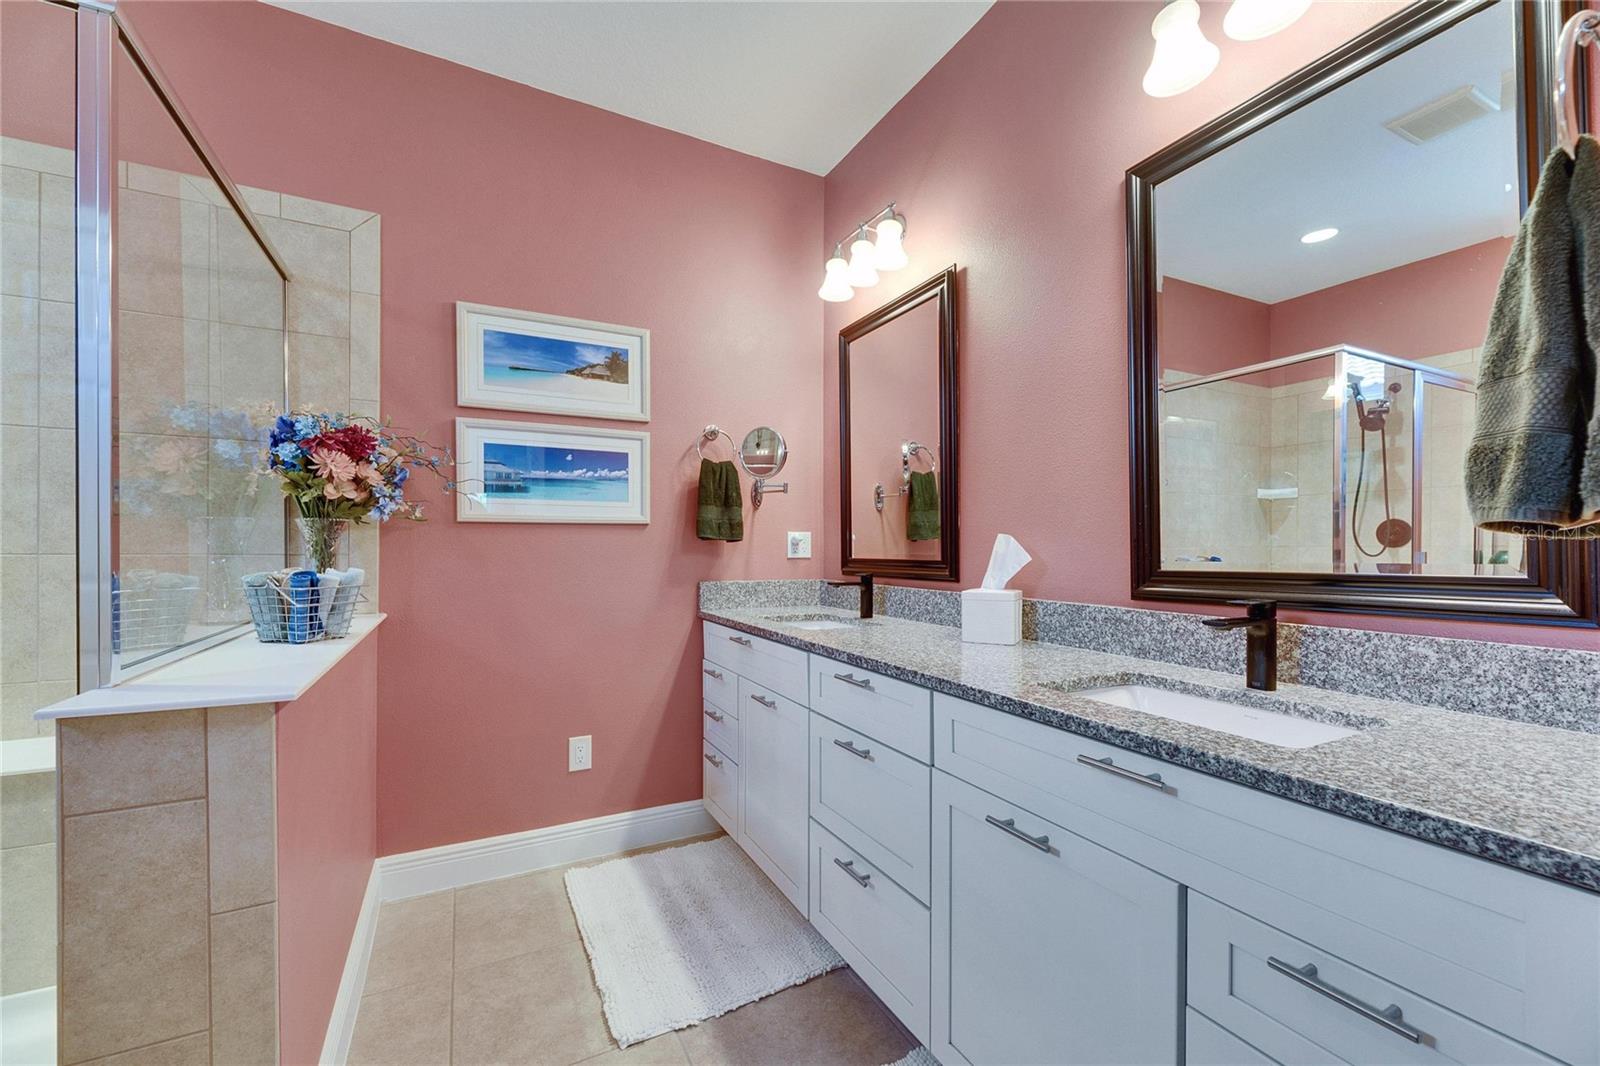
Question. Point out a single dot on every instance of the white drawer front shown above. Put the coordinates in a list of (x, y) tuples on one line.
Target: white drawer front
[(721, 784), (1299, 1003), (889, 711), (720, 686), (1208, 1044), (773, 821), (1514, 951), (721, 728), (767, 663), (874, 799), (881, 931)]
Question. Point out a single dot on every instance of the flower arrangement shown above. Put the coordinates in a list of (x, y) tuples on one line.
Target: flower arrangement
[(339, 469)]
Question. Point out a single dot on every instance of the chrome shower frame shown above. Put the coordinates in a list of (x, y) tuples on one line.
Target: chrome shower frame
[(1422, 375), (100, 31)]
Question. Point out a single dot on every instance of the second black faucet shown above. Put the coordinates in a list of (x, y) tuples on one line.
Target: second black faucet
[(1260, 625)]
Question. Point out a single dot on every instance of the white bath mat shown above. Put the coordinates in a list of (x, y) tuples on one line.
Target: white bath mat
[(682, 935), (918, 1056)]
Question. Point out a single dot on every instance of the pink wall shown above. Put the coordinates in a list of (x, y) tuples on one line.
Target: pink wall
[(1205, 331), (327, 839), (894, 396), (1008, 159), (505, 640)]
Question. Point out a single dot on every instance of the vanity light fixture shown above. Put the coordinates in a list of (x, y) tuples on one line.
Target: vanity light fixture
[(1251, 20), (835, 289), (1183, 57), (883, 251), (1317, 236)]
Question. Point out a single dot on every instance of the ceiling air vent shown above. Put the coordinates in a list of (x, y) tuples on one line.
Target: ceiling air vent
[(1438, 117)]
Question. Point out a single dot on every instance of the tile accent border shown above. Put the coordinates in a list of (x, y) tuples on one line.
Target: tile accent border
[(1556, 687)]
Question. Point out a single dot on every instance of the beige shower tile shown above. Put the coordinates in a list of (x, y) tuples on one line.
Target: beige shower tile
[(57, 238), (19, 360), (242, 805), (58, 364), (157, 357), (366, 247), (19, 619), (249, 289), (149, 253), (412, 943), (364, 545), (58, 617), (318, 213), (27, 809), (135, 928), (58, 492), (244, 987), (118, 761), (532, 1008), (28, 919), (19, 487), (19, 231), (31, 155), (260, 201), (18, 701), (319, 372), (366, 334), (246, 368), (192, 1050), (319, 261), (406, 1026)]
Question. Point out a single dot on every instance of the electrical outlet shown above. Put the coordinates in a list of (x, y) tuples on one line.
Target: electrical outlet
[(580, 753), (800, 545)]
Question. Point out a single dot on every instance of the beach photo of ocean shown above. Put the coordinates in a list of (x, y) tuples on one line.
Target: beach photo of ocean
[(554, 365), (537, 472)]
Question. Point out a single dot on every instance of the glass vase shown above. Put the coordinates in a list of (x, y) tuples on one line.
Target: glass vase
[(322, 542)]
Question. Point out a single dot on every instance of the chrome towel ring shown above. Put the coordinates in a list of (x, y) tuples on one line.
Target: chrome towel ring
[(710, 434)]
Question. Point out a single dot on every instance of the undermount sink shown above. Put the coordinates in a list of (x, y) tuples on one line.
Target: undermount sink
[(1239, 719), (814, 621)]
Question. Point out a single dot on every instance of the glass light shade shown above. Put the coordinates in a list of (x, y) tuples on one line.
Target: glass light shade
[(862, 274), (1183, 57), (889, 253), (835, 289), (1251, 20)]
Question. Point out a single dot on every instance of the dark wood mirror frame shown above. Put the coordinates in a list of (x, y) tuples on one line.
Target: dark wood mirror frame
[(940, 287), (1563, 582)]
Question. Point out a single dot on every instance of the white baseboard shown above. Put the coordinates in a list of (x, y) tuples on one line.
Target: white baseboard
[(342, 1022), (415, 873)]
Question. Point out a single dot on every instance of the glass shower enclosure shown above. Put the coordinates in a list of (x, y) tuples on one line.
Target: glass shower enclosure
[(142, 362)]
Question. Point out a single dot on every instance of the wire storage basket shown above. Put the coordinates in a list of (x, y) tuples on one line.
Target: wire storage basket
[(150, 610), (298, 613)]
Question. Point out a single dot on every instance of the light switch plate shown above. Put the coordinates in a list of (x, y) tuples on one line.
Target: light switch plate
[(580, 753), (799, 545)]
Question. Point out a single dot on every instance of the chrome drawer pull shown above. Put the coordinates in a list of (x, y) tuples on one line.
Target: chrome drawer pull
[(1390, 1017), (852, 679), (849, 868), (763, 700), (860, 753), (713, 760), (1010, 826), (715, 675), (741, 640), (1148, 780), (714, 716)]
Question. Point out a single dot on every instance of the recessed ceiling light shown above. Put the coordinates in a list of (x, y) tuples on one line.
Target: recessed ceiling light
[(1508, 186), (1317, 236)]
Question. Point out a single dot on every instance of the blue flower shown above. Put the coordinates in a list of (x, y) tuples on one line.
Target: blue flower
[(400, 476), (306, 426), (287, 452), (282, 430)]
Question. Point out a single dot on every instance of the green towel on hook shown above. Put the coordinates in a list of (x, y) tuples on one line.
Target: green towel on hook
[(721, 512), (922, 509)]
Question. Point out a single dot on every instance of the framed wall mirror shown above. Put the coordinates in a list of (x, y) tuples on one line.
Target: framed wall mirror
[(897, 436), (1310, 281)]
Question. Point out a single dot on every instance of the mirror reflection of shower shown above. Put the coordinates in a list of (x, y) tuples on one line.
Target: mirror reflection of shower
[(1373, 418)]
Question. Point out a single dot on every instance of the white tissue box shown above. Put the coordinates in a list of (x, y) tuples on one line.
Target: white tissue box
[(991, 616)]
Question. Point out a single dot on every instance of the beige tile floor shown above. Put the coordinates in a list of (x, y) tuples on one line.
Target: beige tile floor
[(496, 973)]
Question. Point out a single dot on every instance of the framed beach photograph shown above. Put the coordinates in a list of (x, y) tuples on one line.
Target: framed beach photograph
[(513, 360), (531, 472)]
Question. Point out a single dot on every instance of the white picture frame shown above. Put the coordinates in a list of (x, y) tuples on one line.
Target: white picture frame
[(538, 472), (511, 360)]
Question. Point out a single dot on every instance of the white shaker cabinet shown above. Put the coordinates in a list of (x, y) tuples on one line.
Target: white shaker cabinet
[(1046, 948), (773, 770)]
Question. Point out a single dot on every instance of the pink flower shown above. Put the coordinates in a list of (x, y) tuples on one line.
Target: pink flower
[(369, 473), (333, 465), (343, 487)]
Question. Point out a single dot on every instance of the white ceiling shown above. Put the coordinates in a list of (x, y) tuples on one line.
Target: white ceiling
[(1234, 222), (798, 83)]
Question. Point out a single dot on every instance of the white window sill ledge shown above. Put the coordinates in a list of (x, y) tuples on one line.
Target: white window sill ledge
[(239, 672)]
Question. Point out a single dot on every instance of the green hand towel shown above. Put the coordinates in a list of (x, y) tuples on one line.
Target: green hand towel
[(1585, 200), (1536, 379), (721, 513), (922, 508)]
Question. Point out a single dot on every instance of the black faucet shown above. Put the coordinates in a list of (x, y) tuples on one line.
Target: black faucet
[(866, 592), (1260, 625)]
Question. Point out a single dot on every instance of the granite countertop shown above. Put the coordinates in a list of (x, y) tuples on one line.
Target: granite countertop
[(1524, 795)]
